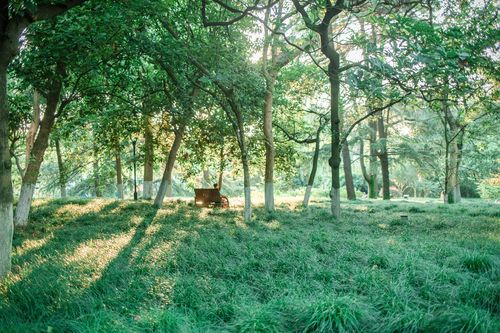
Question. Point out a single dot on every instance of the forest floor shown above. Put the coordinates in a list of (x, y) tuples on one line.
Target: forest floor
[(111, 266)]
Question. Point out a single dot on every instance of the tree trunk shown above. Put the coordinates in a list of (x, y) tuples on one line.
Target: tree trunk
[(11, 28), (166, 181), (118, 167), (384, 158), (33, 129), (62, 171), (314, 168), (362, 160), (221, 167), (37, 153), (6, 196), (333, 70), (247, 214), (372, 169), (95, 167), (147, 192), (452, 173), (349, 182), (269, 143), (458, 194)]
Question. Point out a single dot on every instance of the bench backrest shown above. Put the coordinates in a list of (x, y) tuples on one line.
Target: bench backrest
[(206, 195)]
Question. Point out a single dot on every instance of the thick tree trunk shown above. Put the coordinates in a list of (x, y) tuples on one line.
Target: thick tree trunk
[(37, 153), (335, 128), (147, 192), (119, 176), (33, 129), (10, 32), (62, 170), (166, 181), (6, 196), (269, 143), (349, 182), (384, 158), (312, 175)]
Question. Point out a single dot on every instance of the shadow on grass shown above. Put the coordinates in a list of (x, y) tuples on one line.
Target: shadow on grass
[(129, 267)]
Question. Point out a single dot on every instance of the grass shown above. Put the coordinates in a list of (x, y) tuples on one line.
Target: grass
[(109, 266)]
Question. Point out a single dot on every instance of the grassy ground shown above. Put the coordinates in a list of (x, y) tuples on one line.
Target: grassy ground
[(109, 266)]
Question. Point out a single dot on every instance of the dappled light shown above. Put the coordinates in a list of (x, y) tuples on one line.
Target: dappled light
[(138, 264), (249, 166)]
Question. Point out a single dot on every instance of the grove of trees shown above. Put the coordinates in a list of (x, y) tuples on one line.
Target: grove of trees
[(383, 97)]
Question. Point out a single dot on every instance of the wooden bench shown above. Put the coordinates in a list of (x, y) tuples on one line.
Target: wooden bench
[(209, 197)]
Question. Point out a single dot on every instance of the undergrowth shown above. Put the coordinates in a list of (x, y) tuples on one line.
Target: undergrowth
[(109, 266)]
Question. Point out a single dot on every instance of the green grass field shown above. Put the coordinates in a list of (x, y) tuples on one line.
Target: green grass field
[(110, 266)]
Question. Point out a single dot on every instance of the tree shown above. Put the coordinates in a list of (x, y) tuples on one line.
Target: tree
[(12, 25)]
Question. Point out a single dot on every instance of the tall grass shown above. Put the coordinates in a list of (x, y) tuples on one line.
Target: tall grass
[(109, 266)]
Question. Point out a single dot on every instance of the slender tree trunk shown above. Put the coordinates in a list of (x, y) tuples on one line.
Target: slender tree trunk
[(240, 135), (6, 196), (269, 143), (95, 166), (349, 182), (452, 173), (33, 129), (372, 175), (62, 170), (314, 169), (221, 167), (384, 159), (148, 160), (459, 140), (362, 160), (450, 154), (166, 181), (118, 167), (37, 153)]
